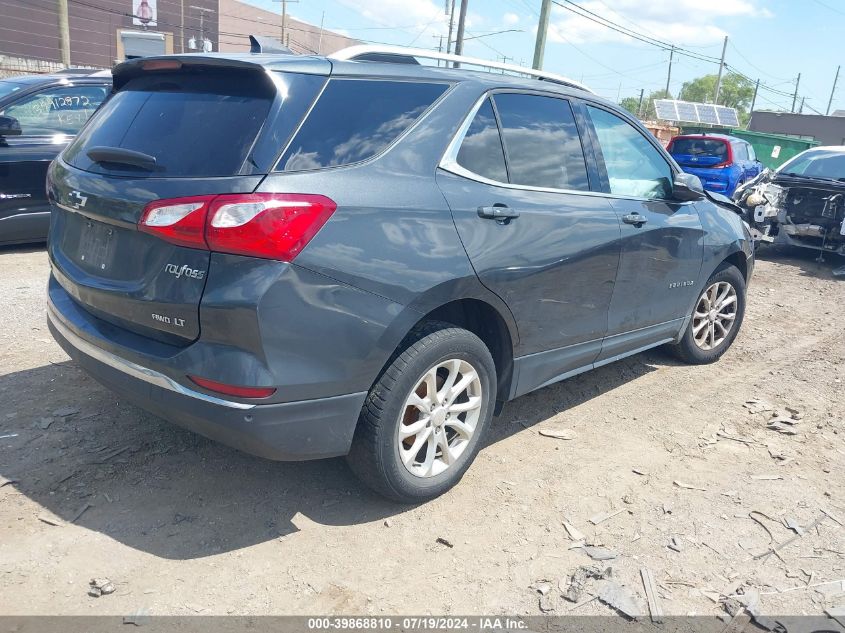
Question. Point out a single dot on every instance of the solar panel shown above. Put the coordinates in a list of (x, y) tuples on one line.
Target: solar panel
[(688, 112), (706, 113), (727, 116), (665, 109)]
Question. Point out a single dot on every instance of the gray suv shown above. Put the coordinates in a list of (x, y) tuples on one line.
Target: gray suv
[(307, 257)]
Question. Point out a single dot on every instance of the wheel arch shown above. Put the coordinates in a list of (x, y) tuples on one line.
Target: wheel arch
[(737, 259), (464, 303), (485, 321)]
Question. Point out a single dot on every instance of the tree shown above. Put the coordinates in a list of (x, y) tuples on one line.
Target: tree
[(631, 104), (736, 91)]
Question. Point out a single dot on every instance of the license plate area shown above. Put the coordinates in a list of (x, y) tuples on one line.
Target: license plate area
[(96, 246)]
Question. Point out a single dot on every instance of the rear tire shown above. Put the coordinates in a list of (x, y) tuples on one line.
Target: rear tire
[(423, 421), (716, 320)]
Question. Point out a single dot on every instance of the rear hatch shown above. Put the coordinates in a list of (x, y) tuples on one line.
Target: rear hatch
[(699, 152), (176, 131)]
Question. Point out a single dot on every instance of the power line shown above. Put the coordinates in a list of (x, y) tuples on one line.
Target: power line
[(757, 68), (584, 13), (613, 71), (827, 6), (602, 21)]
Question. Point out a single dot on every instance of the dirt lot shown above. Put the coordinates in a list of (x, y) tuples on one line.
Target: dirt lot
[(182, 525)]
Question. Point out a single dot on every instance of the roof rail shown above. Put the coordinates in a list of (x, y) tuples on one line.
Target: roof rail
[(371, 52)]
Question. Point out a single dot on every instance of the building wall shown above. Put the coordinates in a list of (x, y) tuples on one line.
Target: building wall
[(828, 130), (29, 28), (238, 20)]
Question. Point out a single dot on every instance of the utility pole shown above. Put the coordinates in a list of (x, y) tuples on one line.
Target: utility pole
[(542, 29), (320, 40), (640, 107), (202, 12), (284, 18), (182, 26), (451, 26), (832, 91), (285, 39), (721, 68), (801, 108), (459, 40), (795, 94), (669, 75), (64, 32), (754, 98)]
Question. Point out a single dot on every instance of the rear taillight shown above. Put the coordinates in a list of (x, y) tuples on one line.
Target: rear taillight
[(275, 226), (233, 390), (178, 220), (268, 225)]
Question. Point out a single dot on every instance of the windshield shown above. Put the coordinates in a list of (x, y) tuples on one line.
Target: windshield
[(817, 163), (700, 147), (8, 87)]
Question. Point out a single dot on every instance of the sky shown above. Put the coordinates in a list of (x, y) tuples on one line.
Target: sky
[(772, 40)]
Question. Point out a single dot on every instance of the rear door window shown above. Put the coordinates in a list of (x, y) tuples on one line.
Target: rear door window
[(355, 119), (481, 150), (196, 123), (634, 166), (541, 140), (740, 151), (752, 155), (56, 110)]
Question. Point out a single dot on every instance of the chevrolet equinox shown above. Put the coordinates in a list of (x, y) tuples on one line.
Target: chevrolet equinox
[(361, 255)]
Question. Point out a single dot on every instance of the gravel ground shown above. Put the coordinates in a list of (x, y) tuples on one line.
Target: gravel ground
[(673, 456)]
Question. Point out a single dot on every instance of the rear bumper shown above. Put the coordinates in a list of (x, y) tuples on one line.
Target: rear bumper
[(719, 180), (308, 429)]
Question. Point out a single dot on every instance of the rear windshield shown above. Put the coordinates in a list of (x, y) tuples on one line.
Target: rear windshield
[(817, 163), (700, 147), (355, 119), (196, 123)]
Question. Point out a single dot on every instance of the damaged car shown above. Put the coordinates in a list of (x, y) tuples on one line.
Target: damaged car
[(802, 203)]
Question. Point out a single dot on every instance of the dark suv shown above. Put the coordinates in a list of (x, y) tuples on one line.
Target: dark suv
[(306, 257), (39, 115)]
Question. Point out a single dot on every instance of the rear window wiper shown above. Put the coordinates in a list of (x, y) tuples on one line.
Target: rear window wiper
[(120, 156)]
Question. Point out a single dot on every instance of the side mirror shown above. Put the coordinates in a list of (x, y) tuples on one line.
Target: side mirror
[(9, 126), (687, 188)]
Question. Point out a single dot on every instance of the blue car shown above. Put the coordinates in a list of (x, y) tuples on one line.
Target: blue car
[(721, 162)]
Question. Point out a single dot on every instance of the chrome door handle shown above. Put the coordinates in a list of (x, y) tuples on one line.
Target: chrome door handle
[(498, 213), (634, 218)]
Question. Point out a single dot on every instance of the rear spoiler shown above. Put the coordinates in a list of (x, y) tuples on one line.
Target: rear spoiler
[(249, 62)]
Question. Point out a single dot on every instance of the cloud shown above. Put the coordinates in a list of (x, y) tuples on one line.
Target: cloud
[(426, 16), (667, 20), (510, 19)]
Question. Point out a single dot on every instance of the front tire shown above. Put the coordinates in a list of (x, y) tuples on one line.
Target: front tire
[(716, 319), (422, 423)]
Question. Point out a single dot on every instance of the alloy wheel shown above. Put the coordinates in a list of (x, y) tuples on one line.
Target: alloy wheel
[(439, 418), (714, 315)]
